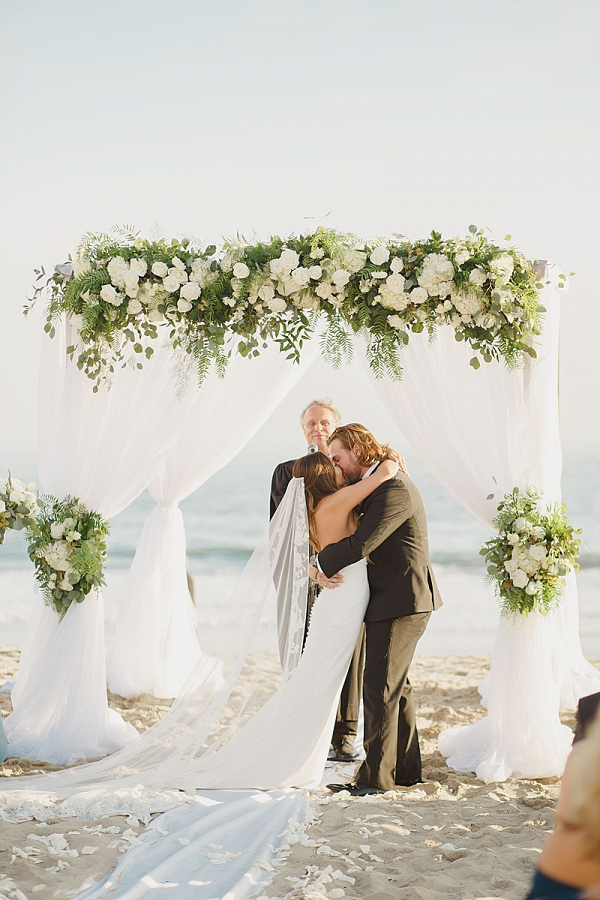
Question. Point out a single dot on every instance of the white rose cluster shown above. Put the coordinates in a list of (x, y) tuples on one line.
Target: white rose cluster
[(527, 560), (19, 506), (502, 267)]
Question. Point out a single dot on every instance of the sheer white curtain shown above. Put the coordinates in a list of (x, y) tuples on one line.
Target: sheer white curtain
[(104, 448), (484, 432), (156, 646)]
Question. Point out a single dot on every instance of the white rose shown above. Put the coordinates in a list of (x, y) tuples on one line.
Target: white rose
[(155, 316), (478, 277), (81, 265), (396, 265), (190, 291), (56, 530), (289, 260), (340, 277), (395, 283), (418, 295), (461, 257), (511, 566), (521, 524), (184, 306), (301, 275), (277, 304), (519, 578), (502, 267), (160, 269), (266, 292), (538, 552), (241, 270), (379, 255), (323, 290), (138, 266), (131, 285), (315, 272), (110, 295), (171, 284), (2, 506), (134, 307), (396, 322), (512, 538), (531, 588), (538, 532), (276, 266)]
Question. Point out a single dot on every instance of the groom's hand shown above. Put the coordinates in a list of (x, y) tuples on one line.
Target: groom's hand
[(322, 579)]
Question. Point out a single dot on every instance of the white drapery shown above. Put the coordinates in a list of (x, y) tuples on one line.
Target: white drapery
[(156, 646), (484, 432), (104, 448)]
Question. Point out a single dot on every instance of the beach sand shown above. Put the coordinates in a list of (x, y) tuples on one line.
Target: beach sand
[(452, 837)]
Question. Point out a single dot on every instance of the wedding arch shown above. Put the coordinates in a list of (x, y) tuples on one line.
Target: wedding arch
[(132, 321)]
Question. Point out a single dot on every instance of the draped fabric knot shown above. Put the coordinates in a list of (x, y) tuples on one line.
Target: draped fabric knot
[(167, 504)]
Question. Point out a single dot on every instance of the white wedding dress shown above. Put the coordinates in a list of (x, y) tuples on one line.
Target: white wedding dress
[(286, 743)]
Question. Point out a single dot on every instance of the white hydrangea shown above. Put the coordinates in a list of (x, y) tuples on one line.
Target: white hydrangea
[(353, 260), (462, 256), (317, 253), (437, 269), (117, 270), (466, 302), (538, 532)]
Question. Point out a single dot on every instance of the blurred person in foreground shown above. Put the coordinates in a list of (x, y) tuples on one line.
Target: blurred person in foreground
[(569, 867)]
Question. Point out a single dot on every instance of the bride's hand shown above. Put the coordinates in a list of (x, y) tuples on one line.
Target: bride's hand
[(397, 458), (388, 468)]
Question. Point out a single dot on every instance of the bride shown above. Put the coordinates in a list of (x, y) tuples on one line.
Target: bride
[(199, 743)]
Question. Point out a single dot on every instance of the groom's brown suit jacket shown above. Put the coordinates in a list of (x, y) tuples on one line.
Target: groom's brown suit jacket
[(392, 533)]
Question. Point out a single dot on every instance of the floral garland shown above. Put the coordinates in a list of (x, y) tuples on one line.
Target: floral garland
[(532, 553), (19, 506), (68, 550), (121, 288)]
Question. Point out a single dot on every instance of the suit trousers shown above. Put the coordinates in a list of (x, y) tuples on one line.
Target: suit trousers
[(393, 756)]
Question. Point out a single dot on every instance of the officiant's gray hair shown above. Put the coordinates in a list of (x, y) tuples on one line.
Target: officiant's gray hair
[(328, 404)]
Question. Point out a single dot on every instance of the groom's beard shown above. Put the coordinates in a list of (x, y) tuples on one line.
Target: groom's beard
[(352, 477)]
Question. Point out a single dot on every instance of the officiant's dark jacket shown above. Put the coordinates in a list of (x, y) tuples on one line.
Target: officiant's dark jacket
[(281, 478), (392, 533)]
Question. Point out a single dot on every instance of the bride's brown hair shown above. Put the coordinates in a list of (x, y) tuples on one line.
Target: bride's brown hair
[(319, 481)]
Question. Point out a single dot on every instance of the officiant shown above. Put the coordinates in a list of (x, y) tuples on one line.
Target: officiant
[(318, 421)]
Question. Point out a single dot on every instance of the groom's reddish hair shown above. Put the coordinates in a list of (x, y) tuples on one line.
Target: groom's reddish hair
[(356, 435)]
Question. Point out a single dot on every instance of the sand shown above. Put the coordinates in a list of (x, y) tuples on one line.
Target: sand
[(452, 837)]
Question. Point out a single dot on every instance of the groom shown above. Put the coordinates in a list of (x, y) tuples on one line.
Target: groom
[(392, 535)]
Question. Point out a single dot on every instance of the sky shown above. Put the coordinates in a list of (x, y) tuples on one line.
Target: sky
[(207, 119)]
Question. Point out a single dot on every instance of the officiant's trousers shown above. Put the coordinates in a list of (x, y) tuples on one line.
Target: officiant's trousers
[(393, 756)]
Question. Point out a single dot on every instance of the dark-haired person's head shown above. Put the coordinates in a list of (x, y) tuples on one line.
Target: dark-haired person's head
[(319, 475)]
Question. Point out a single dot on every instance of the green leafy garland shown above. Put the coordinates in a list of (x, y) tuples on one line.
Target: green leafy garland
[(121, 289), (531, 554), (19, 506), (68, 550)]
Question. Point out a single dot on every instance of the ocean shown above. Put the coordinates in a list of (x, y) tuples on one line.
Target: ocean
[(226, 516)]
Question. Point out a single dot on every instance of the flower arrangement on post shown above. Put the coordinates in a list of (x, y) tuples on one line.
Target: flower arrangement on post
[(18, 506), (121, 289), (68, 550), (531, 554)]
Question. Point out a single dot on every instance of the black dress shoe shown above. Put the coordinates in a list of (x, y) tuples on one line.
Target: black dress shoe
[(343, 751), (355, 790)]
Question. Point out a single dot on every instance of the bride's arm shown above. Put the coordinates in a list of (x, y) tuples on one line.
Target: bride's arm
[(344, 500)]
